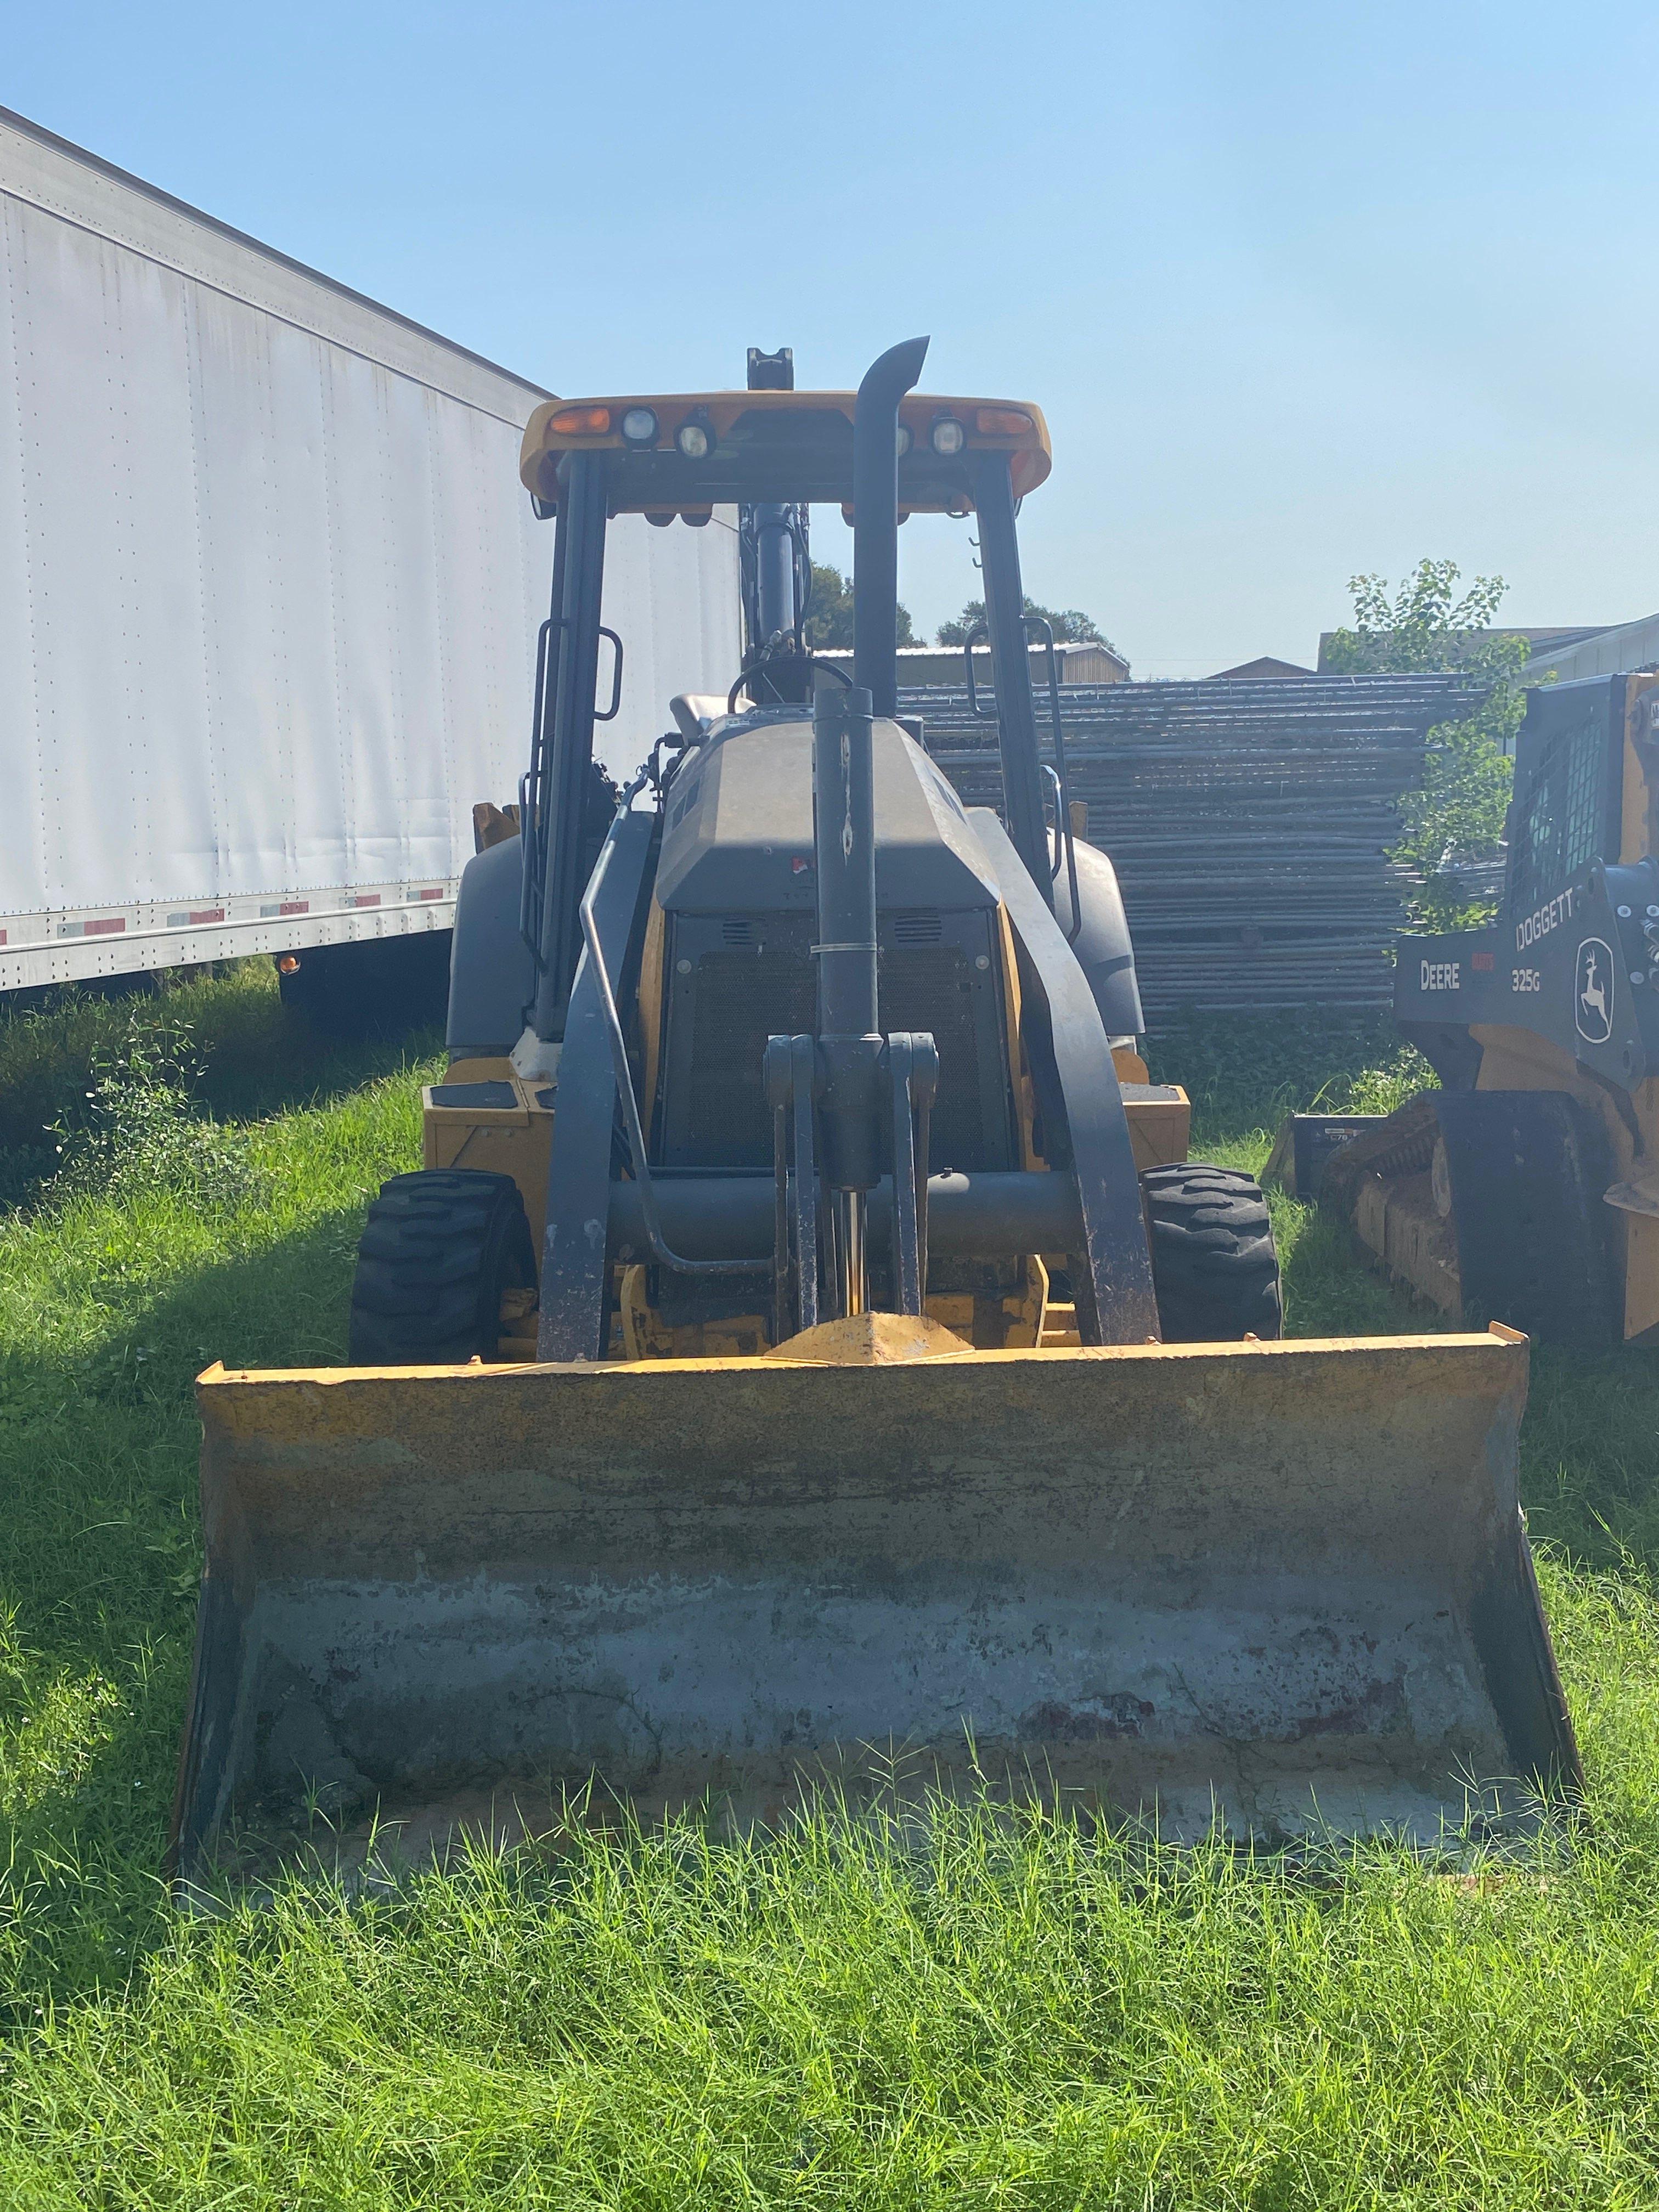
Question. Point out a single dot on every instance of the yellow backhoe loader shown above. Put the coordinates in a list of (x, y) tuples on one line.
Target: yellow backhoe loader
[(807, 1354)]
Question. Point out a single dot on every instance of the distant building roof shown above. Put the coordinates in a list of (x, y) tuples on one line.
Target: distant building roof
[(937, 664), (1596, 653), (1554, 637), (1264, 666)]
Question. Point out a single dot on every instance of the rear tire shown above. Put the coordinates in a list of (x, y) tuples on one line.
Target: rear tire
[(1214, 1265), (437, 1252)]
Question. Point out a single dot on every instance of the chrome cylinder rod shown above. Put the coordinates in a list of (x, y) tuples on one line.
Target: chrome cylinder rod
[(850, 1213)]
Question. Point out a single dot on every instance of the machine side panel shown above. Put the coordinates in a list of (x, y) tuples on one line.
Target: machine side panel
[(492, 976), (1573, 955)]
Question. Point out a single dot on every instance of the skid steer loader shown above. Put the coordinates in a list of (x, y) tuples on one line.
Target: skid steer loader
[(807, 1355), (1526, 1189)]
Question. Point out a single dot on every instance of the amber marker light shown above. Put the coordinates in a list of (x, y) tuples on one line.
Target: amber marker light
[(1003, 422), (580, 422)]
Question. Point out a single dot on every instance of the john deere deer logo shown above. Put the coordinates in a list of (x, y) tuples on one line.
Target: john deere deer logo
[(1592, 1007)]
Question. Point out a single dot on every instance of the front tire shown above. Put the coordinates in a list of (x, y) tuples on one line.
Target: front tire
[(439, 1250), (1214, 1264)]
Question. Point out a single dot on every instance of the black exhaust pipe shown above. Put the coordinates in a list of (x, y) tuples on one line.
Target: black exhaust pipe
[(875, 521)]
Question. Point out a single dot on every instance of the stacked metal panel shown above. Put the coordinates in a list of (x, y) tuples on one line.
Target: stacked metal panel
[(1248, 824)]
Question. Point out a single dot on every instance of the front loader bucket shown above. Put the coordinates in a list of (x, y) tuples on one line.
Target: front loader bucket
[(1282, 1585)]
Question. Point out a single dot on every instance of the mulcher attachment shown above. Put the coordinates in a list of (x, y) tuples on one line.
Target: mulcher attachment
[(1488, 1203)]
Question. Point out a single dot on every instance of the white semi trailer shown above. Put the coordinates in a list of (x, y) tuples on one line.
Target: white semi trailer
[(270, 592)]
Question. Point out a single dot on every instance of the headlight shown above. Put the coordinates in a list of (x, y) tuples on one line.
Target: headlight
[(694, 440), (903, 441), (948, 436), (639, 426)]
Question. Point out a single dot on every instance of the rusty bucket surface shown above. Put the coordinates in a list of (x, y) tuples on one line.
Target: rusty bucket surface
[(1283, 1586)]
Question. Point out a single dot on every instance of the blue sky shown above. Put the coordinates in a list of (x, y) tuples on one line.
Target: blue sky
[(1304, 291)]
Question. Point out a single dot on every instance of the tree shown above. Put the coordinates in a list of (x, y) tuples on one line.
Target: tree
[(829, 613), (1070, 626), (1457, 812)]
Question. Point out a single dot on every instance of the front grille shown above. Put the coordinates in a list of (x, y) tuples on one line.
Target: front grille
[(741, 999), (931, 987), (735, 995)]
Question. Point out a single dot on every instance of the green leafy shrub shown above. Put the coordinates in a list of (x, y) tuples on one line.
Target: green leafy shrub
[(1457, 812), (1246, 1071), (142, 1130)]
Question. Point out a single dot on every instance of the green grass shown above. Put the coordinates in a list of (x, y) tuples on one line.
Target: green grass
[(110, 1304), (989, 2013)]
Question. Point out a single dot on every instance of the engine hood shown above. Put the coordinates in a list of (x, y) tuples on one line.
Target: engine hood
[(737, 836)]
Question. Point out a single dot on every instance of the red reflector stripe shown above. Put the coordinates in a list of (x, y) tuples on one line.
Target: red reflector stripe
[(431, 894), (365, 898), (1482, 961), (111, 926), (294, 906), (209, 913)]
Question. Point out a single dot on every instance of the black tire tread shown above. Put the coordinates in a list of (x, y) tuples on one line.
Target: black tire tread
[(1214, 1264), (437, 1248)]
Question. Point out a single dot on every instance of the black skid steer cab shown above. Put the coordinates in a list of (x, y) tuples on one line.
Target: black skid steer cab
[(807, 1354), (1526, 1189)]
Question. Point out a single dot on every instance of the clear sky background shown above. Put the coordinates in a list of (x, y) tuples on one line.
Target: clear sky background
[(1304, 291)]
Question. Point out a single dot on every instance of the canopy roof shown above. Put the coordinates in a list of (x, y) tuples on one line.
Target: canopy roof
[(777, 446)]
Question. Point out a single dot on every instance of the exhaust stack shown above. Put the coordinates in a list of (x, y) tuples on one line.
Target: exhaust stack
[(875, 521)]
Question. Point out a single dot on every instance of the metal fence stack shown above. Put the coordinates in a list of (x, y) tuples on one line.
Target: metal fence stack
[(1248, 824)]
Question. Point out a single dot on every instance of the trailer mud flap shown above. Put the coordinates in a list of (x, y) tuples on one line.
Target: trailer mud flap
[(1284, 1586)]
